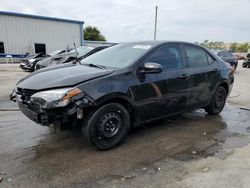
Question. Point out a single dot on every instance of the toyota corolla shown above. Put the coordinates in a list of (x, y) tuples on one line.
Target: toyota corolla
[(124, 86)]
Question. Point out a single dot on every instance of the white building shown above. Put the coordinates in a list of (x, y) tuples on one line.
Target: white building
[(25, 33)]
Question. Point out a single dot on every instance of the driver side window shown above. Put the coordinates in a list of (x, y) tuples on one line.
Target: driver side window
[(169, 57)]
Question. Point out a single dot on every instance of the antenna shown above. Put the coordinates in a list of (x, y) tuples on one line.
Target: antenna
[(156, 11), (75, 49), (75, 52)]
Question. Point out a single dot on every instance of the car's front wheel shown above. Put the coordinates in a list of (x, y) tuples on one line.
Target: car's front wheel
[(218, 101), (37, 67), (107, 126)]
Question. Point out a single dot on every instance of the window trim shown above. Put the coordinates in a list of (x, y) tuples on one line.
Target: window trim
[(208, 55)]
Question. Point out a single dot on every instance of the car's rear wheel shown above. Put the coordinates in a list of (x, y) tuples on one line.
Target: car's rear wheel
[(106, 127), (218, 101)]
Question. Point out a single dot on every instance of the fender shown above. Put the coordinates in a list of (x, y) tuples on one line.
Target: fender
[(121, 97), (223, 82)]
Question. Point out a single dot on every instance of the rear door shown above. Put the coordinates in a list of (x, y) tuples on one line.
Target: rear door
[(203, 74)]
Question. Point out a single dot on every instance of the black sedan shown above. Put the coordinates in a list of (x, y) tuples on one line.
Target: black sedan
[(246, 63), (228, 57), (124, 86)]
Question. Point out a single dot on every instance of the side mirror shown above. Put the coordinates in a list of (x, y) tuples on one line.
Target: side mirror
[(151, 68)]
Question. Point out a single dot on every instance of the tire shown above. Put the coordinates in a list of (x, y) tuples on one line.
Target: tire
[(244, 65), (218, 101), (107, 126), (37, 67)]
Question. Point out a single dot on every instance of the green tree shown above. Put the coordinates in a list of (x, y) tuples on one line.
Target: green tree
[(213, 45), (205, 43), (233, 47), (242, 47), (92, 33)]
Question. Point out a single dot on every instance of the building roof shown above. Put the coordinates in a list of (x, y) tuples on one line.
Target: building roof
[(40, 17)]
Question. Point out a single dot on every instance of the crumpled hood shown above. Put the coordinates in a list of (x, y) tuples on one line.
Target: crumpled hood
[(66, 54), (44, 62), (65, 75)]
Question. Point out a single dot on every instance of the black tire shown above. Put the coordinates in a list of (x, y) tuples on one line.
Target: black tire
[(107, 126), (244, 65), (37, 67), (218, 101)]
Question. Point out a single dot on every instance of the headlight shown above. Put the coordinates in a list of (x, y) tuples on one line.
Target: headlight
[(31, 60), (56, 97)]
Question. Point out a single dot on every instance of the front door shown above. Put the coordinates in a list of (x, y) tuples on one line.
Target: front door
[(163, 93)]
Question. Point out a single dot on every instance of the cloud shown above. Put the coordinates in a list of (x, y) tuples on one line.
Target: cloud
[(193, 20)]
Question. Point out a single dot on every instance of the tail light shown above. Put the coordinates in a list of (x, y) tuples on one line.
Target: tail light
[(231, 71), (230, 68)]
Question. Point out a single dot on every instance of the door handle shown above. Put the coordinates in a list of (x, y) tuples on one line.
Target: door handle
[(184, 76)]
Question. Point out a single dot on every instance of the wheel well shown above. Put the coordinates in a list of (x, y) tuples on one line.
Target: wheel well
[(225, 87), (124, 103)]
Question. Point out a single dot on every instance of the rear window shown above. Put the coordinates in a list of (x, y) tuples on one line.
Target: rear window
[(196, 56)]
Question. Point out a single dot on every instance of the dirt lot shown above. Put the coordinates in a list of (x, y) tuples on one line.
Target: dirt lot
[(189, 150)]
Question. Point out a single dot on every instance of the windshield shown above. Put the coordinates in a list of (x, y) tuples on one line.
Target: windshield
[(119, 56), (54, 53), (82, 50)]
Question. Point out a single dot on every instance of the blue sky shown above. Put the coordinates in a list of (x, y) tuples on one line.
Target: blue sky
[(128, 20)]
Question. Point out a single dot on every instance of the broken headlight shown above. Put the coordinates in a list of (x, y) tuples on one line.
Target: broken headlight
[(55, 98)]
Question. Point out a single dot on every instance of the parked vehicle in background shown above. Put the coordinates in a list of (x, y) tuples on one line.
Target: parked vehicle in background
[(73, 55), (228, 57), (246, 63), (49, 58), (239, 56), (123, 86), (29, 63)]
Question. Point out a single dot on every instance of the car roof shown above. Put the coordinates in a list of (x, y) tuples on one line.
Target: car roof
[(159, 42)]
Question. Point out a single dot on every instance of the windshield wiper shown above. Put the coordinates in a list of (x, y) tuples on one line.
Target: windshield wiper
[(77, 60), (94, 65)]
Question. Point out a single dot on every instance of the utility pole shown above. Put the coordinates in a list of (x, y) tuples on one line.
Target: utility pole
[(156, 10)]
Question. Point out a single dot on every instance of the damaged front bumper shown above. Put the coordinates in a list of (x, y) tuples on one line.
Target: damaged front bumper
[(45, 117)]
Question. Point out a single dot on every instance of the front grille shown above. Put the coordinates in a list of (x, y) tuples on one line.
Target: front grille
[(25, 93)]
